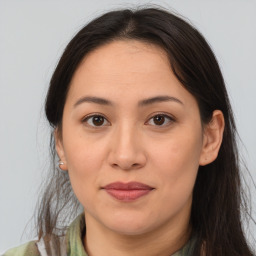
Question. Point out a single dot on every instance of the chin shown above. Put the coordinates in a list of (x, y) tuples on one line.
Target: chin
[(130, 225), (130, 230)]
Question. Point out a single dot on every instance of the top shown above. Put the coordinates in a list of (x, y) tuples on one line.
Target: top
[(72, 243)]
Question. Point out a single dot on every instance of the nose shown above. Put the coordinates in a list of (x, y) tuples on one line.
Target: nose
[(127, 149)]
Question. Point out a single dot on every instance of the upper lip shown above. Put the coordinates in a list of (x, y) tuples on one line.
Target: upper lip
[(128, 186)]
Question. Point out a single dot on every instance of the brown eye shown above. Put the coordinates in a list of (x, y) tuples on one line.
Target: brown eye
[(98, 120), (161, 120), (95, 120)]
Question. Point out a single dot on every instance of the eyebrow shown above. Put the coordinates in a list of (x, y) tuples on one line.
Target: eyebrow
[(142, 103)]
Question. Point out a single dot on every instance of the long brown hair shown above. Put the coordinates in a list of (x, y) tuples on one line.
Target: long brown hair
[(217, 197)]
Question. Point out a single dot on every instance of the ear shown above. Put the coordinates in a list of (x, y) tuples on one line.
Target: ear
[(212, 138), (60, 150)]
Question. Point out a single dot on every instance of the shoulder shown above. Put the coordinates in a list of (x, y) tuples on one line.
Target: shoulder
[(27, 249), (71, 242)]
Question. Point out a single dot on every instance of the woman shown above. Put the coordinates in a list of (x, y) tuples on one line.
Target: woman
[(146, 141)]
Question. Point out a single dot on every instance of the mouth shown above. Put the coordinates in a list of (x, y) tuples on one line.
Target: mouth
[(127, 191)]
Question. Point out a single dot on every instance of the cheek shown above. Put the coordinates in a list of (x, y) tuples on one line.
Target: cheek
[(83, 153), (84, 161), (177, 162), (183, 149)]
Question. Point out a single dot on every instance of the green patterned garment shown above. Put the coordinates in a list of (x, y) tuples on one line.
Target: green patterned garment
[(72, 244)]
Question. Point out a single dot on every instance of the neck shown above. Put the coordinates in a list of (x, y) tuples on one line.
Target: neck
[(162, 242)]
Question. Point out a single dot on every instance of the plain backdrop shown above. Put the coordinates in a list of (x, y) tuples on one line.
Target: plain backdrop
[(33, 36)]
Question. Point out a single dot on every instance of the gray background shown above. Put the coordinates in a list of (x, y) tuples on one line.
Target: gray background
[(33, 36)]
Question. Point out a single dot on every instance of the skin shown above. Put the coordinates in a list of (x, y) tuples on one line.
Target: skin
[(130, 145)]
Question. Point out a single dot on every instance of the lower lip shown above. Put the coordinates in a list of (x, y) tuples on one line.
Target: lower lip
[(127, 195)]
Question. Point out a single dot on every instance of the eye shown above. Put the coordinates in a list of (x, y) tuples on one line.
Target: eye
[(99, 120), (161, 120), (95, 120)]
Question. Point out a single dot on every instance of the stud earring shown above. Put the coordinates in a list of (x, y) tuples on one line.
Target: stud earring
[(61, 163)]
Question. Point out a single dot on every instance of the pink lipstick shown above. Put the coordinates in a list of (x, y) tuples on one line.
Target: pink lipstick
[(127, 191)]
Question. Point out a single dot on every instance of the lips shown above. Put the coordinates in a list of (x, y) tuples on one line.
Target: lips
[(127, 191)]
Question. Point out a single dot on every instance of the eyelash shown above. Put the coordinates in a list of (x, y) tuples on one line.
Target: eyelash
[(86, 118)]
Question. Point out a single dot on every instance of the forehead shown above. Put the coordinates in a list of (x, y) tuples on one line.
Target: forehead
[(125, 68), (122, 58), (126, 51)]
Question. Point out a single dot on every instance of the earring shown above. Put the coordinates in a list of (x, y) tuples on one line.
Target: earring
[(61, 165)]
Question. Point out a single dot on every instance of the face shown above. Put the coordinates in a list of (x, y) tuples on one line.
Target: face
[(133, 153)]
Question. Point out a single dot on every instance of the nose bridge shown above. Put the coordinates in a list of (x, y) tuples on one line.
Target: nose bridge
[(125, 140), (127, 148)]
